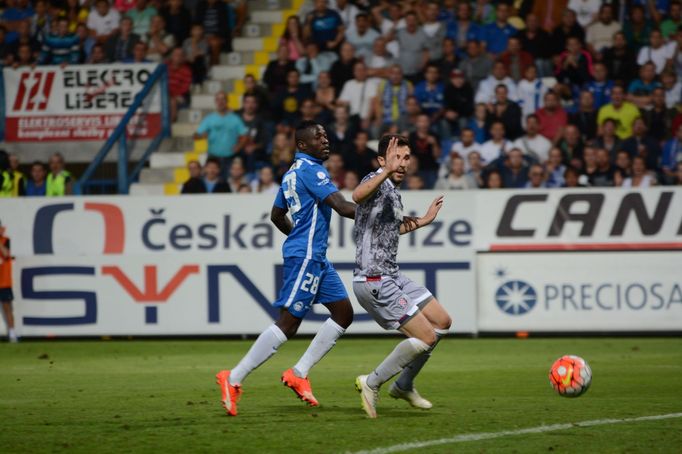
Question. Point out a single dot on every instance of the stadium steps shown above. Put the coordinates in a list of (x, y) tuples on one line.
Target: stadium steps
[(251, 52)]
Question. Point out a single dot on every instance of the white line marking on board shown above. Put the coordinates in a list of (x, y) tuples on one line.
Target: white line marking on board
[(505, 433)]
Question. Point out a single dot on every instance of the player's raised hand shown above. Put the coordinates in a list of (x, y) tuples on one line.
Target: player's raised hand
[(434, 208), (392, 158)]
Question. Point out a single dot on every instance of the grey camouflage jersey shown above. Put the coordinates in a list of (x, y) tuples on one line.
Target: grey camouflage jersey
[(377, 231)]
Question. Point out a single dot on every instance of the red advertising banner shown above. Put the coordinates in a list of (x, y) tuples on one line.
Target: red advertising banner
[(77, 103)]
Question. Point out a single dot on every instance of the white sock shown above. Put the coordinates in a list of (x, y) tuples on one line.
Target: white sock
[(405, 380), (11, 333), (265, 346), (323, 341), (401, 356)]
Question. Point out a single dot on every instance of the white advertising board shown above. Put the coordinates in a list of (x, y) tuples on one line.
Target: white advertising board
[(580, 291)]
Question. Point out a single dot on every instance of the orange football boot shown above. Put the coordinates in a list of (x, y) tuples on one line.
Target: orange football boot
[(230, 393), (301, 386)]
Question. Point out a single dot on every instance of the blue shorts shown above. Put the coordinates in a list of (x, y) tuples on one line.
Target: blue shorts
[(307, 282)]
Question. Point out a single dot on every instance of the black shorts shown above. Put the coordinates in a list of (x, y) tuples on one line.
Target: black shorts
[(6, 294)]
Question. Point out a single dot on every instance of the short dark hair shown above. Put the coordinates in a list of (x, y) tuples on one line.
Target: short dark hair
[(386, 138), (303, 129), (212, 160)]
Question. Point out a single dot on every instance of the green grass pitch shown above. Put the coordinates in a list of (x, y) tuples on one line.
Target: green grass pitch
[(144, 396)]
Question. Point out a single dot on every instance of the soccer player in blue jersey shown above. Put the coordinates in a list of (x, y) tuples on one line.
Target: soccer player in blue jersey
[(308, 194)]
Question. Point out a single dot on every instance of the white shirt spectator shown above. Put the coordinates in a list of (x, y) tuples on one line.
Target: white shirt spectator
[(462, 151), (491, 150), (531, 96), (585, 10), (600, 35), (359, 95), (647, 182), (659, 56), (103, 25), (537, 147), (347, 14), (451, 182), (362, 43), (673, 97), (486, 89)]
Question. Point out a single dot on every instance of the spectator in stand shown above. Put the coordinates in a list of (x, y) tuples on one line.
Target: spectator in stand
[(622, 112), (568, 28), (572, 178), (139, 53), (237, 176), (119, 47), (458, 99), (426, 150), (362, 37), (434, 31), (463, 29), (324, 26), (516, 59), (603, 176), (408, 120), (533, 144), (640, 90), (672, 157), (142, 16), (531, 92), (572, 146), (380, 62), (358, 94), (225, 132), (208, 181), (456, 178), (178, 20), (574, 67), (196, 53), (534, 40), (86, 42), (287, 102), (103, 21), (601, 86), (123, 6), (24, 57), (61, 47), (620, 60), (589, 166), (59, 180), (555, 168), (25, 36), (670, 26), (429, 93), (414, 45), (587, 11), (341, 130), (640, 177), (461, 148), (506, 112), (75, 13), (265, 184), (448, 60), (14, 15), (335, 168), (512, 168), (477, 65), (673, 89), (496, 34), (276, 72), (486, 89), (497, 146), (347, 11), (608, 138), (477, 123), (342, 69), (656, 52), (98, 55), (536, 177), (552, 117), (676, 51), (475, 168), (351, 180), (637, 29), (211, 14), (18, 179), (623, 165), (391, 99), (493, 180), (159, 41), (361, 159), (600, 33), (643, 145), (292, 38), (585, 117), (312, 64), (179, 82), (36, 185), (252, 87), (659, 119), (281, 154)]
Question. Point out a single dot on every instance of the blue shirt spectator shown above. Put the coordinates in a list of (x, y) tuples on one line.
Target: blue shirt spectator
[(496, 34), (62, 47), (429, 92), (324, 27), (601, 91), (223, 129)]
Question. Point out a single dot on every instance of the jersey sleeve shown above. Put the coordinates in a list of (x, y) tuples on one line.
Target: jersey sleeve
[(317, 181), (280, 200)]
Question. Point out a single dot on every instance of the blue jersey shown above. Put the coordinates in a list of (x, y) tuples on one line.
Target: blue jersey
[(601, 92), (304, 187)]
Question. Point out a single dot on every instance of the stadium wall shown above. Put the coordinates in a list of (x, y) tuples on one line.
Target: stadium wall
[(500, 261)]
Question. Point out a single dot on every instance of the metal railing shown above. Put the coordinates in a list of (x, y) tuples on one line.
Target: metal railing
[(125, 178)]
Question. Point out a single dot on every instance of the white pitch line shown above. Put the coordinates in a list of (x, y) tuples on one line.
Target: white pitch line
[(531, 430)]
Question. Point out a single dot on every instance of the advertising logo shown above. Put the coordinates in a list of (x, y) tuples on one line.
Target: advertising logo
[(34, 91), (515, 297)]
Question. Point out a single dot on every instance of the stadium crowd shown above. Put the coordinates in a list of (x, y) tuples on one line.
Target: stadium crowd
[(514, 94)]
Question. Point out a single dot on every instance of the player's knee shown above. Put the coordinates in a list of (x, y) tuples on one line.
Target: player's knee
[(444, 323)]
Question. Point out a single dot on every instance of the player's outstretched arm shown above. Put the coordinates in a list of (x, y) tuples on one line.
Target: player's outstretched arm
[(278, 216), (411, 223), (342, 206)]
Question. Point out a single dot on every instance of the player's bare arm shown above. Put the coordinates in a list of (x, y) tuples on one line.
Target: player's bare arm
[(342, 206), (411, 223), (279, 217), (394, 162)]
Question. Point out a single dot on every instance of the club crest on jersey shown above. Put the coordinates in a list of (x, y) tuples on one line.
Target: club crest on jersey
[(402, 302), (321, 175), (298, 306)]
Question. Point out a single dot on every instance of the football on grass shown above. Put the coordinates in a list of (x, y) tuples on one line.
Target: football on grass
[(570, 376)]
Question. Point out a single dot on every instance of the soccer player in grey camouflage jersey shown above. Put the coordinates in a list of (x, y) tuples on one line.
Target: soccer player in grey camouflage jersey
[(393, 300)]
